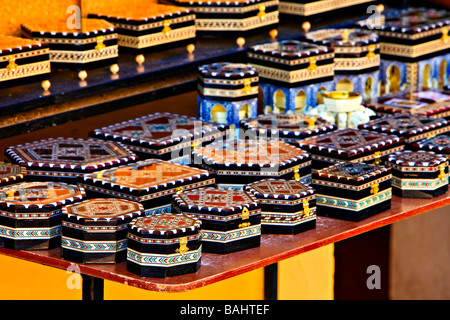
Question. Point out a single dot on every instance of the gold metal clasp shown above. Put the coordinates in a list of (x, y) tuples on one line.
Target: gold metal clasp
[(312, 65), (179, 189), (195, 145), (306, 209), (12, 65), (166, 30), (100, 45), (99, 175), (296, 173), (245, 214), (183, 246), (374, 188), (262, 12), (371, 54), (311, 122), (444, 37), (442, 174), (247, 86), (377, 160), (345, 34)]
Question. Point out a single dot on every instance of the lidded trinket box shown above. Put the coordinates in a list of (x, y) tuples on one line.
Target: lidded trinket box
[(351, 144), (234, 18), (231, 219), (411, 127), (30, 213), (145, 28), (438, 144), (66, 159), (227, 92), (11, 173), (165, 136), (352, 191), (95, 230), (241, 161), (150, 182), (164, 245), (23, 61), (93, 45), (418, 174), (292, 74), (287, 206)]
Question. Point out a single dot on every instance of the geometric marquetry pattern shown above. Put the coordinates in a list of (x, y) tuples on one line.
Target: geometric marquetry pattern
[(229, 236), (93, 246), (352, 204), (30, 233), (164, 260)]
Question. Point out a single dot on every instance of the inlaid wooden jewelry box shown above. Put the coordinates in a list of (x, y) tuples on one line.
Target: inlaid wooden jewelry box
[(95, 230), (286, 127), (287, 206), (23, 61), (425, 102), (236, 18), (231, 219), (164, 245), (238, 162), (352, 191), (292, 73), (94, 45), (30, 213), (411, 127), (11, 173), (165, 136), (418, 174), (67, 159), (150, 182), (351, 144), (438, 144), (145, 28)]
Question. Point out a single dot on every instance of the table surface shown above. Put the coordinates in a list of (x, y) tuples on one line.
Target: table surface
[(273, 248)]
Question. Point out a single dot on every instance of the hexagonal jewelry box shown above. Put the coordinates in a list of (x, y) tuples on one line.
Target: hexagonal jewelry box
[(439, 144), (164, 245), (241, 161), (30, 213), (66, 159), (166, 136), (150, 182), (292, 74), (231, 219), (287, 206), (95, 230), (11, 173), (227, 92), (350, 144), (418, 174), (352, 191)]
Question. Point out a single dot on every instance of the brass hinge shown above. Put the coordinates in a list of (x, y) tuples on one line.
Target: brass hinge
[(306, 209), (183, 246), (442, 174)]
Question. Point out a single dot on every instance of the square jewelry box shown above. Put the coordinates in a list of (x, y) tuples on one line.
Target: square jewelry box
[(351, 144), (287, 206), (165, 136), (411, 127), (164, 245), (238, 162), (23, 61), (438, 144), (418, 174), (146, 27), (30, 213), (231, 219), (352, 191), (66, 159), (150, 182), (234, 18), (93, 45), (95, 230)]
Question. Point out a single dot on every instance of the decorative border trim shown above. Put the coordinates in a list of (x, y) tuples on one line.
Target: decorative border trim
[(316, 7), (163, 260), (156, 39), (350, 187), (30, 233), (230, 236), (354, 205), (236, 24), (93, 246), (419, 184)]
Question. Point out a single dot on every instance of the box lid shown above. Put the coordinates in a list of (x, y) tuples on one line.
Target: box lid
[(219, 3), (39, 195), (344, 41), (10, 173), (411, 127), (13, 45), (350, 173), (438, 144), (226, 71), (412, 159), (110, 210), (279, 189), (165, 224), (293, 126), (69, 154)]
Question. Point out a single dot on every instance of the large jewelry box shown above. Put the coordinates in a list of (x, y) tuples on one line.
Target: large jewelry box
[(30, 213), (164, 245), (287, 206), (23, 61), (418, 174), (150, 182), (351, 144), (238, 162), (352, 191), (148, 27), (94, 45), (165, 136), (67, 159), (231, 219), (95, 230)]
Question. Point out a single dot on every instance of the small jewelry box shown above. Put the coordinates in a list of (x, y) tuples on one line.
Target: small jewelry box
[(164, 245), (418, 174), (30, 213), (150, 182), (287, 206), (231, 219), (352, 191), (95, 230)]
